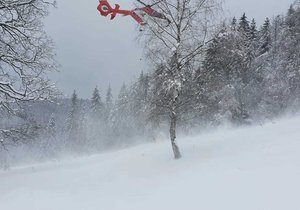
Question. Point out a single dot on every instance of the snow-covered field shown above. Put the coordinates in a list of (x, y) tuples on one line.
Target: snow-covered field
[(255, 168)]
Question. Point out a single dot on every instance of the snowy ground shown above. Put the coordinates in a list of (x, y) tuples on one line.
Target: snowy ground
[(254, 168)]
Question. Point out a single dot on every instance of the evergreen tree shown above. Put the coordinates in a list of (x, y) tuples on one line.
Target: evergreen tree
[(224, 72), (290, 20), (231, 80), (234, 24), (123, 98), (253, 30), (121, 119), (74, 124), (244, 27), (97, 107), (292, 51), (139, 102), (49, 145), (73, 118), (269, 63), (51, 126), (108, 104), (157, 111), (95, 125), (265, 37)]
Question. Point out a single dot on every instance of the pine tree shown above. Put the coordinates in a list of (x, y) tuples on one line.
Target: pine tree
[(290, 21), (253, 43), (253, 30), (72, 121), (108, 104), (143, 86), (265, 37), (94, 124), (97, 107), (74, 126), (244, 27), (157, 112), (229, 73), (51, 126), (138, 102), (120, 119), (292, 51), (234, 24)]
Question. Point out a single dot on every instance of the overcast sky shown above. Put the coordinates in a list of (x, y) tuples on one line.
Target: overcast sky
[(94, 51)]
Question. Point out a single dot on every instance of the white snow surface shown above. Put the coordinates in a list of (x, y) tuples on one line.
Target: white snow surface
[(256, 168)]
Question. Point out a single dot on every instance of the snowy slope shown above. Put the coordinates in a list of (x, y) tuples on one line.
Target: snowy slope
[(255, 168)]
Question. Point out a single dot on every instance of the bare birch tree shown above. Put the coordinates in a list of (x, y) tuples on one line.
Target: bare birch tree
[(177, 46), (26, 52)]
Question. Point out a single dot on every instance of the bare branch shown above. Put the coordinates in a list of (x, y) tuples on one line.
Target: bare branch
[(26, 52)]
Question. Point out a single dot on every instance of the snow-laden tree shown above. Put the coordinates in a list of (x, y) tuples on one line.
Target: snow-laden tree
[(49, 142), (244, 25), (253, 29), (221, 73), (177, 45), (230, 73), (265, 37), (138, 102), (291, 50), (120, 112), (26, 52), (140, 90), (95, 122), (280, 63), (73, 118), (75, 125), (108, 104), (97, 106), (253, 73)]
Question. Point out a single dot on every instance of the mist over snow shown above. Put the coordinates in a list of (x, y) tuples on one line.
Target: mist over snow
[(247, 168)]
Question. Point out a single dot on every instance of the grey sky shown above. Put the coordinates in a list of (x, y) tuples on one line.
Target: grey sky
[(258, 9), (94, 51)]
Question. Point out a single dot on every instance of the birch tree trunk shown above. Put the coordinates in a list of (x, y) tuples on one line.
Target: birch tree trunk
[(173, 121)]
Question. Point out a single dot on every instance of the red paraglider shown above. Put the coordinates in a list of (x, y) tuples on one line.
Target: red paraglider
[(105, 9)]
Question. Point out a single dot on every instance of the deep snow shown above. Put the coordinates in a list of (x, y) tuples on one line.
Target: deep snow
[(256, 168)]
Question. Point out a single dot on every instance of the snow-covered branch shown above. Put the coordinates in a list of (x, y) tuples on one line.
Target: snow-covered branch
[(26, 52)]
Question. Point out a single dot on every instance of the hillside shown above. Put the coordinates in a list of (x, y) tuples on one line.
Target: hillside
[(256, 168)]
